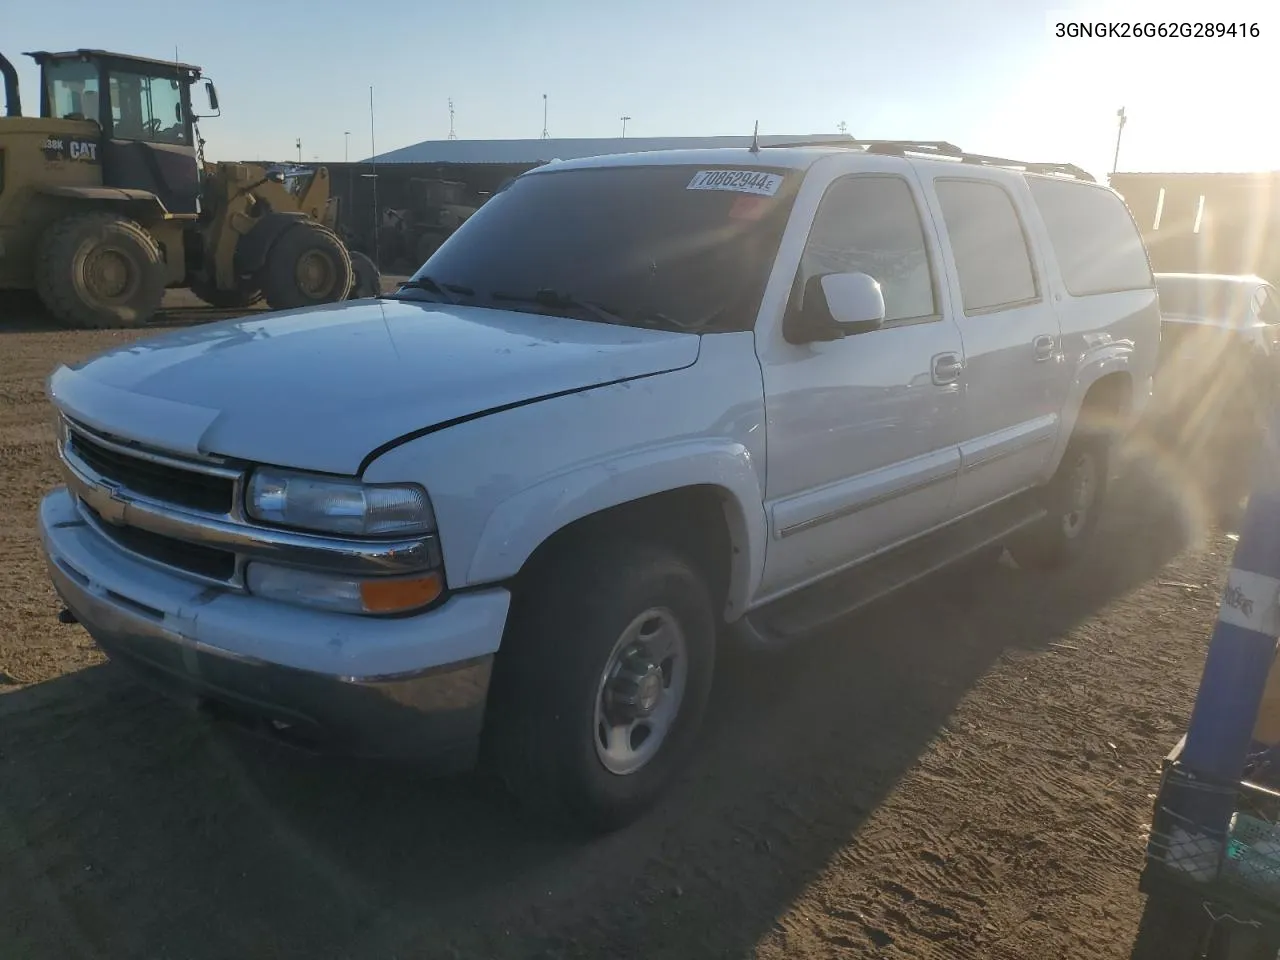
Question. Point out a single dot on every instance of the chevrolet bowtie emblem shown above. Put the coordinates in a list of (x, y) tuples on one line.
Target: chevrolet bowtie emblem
[(113, 509)]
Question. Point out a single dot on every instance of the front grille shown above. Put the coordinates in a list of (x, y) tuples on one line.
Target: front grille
[(207, 562), (160, 481)]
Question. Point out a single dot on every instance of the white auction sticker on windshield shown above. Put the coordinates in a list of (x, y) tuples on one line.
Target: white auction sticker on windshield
[(739, 181)]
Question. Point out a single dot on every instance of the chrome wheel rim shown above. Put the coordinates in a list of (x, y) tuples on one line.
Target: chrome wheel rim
[(1082, 490), (640, 691)]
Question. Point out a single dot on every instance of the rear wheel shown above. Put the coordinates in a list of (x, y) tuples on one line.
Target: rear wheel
[(602, 682), (99, 270), (1073, 499), (308, 265)]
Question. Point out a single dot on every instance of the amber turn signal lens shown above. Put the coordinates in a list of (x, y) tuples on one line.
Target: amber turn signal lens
[(392, 596)]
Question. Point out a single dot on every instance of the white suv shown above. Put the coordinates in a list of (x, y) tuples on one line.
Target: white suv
[(636, 404)]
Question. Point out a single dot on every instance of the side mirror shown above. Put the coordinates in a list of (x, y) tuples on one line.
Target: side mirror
[(838, 305), (274, 176), (212, 93)]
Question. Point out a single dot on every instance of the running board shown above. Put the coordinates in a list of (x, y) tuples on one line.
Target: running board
[(809, 610)]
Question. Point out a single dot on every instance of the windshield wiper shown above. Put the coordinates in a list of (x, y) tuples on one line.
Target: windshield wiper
[(446, 290), (555, 300)]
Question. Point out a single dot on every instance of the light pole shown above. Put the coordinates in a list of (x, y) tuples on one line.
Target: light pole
[(624, 127), (346, 146), (298, 143), (1115, 163), (545, 135)]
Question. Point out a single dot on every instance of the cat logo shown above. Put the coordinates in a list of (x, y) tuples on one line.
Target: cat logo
[(70, 148)]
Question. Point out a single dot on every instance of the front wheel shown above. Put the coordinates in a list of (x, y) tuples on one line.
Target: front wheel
[(1074, 500), (602, 682), (308, 265)]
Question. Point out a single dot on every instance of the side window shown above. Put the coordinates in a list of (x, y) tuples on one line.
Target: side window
[(1097, 244), (989, 246), (871, 225), (147, 108), (72, 90)]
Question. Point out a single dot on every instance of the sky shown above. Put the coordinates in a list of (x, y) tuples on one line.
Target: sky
[(985, 74)]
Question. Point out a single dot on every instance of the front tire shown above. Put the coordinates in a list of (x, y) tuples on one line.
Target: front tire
[(99, 270), (1074, 500), (602, 682), (308, 265)]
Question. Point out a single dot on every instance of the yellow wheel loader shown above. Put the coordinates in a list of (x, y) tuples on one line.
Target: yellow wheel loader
[(106, 201)]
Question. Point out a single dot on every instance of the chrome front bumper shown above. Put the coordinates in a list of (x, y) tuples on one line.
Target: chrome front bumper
[(389, 687)]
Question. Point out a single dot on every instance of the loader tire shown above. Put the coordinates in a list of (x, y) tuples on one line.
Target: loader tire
[(308, 265), (99, 270), (368, 281)]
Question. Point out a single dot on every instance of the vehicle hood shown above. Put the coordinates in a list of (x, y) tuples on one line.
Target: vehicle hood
[(322, 388)]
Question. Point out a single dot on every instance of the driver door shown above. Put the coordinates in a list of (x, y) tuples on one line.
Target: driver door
[(863, 432), (148, 139)]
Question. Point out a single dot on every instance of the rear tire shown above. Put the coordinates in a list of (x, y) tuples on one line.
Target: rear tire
[(589, 629), (99, 270), (308, 265), (368, 282), (1074, 500)]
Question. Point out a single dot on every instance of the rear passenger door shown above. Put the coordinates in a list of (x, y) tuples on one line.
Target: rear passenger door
[(1010, 330)]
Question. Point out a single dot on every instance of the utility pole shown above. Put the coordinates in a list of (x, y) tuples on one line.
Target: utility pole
[(624, 127), (373, 162), (545, 135), (452, 135), (842, 127), (1115, 163)]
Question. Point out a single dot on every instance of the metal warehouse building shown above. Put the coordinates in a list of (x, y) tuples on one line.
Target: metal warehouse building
[(1207, 222), (482, 166)]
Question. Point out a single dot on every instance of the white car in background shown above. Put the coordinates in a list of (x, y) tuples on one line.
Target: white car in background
[(1212, 312), (1220, 345)]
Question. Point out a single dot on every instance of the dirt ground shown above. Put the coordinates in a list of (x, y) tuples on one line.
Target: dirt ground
[(965, 770)]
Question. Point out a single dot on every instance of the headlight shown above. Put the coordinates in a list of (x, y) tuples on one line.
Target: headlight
[(335, 505), (343, 594)]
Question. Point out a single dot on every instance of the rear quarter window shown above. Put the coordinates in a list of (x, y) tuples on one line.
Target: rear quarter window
[(1094, 238)]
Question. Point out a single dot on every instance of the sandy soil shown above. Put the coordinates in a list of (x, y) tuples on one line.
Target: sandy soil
[(965, 770)]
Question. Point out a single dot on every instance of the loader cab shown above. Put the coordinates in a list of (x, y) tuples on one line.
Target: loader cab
[(143, 111)]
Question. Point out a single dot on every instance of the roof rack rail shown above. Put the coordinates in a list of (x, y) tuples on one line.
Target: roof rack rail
[(942, 148)]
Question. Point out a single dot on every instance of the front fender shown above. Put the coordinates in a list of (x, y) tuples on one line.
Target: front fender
[(519, 524), (252, 248)]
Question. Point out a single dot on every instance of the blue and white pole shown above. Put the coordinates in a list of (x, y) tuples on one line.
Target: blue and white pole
[(1240, 656)]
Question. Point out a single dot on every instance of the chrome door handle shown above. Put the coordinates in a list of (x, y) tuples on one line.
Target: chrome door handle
[(1043, 346), (946, 368)]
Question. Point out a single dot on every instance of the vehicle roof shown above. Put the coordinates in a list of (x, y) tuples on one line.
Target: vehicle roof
[(41, 55), (793, 158), (1245, 279)]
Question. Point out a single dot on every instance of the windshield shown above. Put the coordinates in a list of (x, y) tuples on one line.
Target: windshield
[(679, 247), (1205, 298)]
